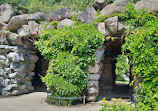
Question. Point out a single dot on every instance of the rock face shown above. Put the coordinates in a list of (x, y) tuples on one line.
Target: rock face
[(6, 12), (87, 16), (115, 7), (65, 22), (38, 16), (103, 29), (94, 75), (14, 73), (149, 5), (60, 14), (99, 4), (112, 24), (17, 21), (29, 30)]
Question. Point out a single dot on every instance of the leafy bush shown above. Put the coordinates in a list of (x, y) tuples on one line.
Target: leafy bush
[(142, 44), (70, 51)]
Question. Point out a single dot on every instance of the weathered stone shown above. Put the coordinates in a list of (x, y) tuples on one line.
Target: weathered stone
[(29, 30), (11, 39), (87, 16), (121, 29), (65, 22), (3, 57), (93, 91), (24, 31), (13, 56), (15, 93), (19, 67), (11, 86), (38, 16), (4, 51), (15, 75), (17, 21), (6, 12), (103, 29), (23, 91), (112, 24), (31, 67), (100, 54), (94, 77), (15, 39), (60, 14), (24, 57), (99, 4), (6, 82), (22, 86), (33, 58), (33, 26), (149, 5), (91, 98), (1, 83), (49, 27), (16, 80), (30, 88), (93, 84), (2, 25), (28, 76), (115, 7), (95, 68)]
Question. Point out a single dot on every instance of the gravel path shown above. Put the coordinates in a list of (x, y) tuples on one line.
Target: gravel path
[(35, 102)]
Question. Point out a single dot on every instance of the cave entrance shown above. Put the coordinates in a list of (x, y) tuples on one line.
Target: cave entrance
[(40, 70), (108, 86)]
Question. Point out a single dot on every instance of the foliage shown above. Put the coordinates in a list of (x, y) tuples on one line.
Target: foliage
[(116, 106), (122, 68), (142, 44), (70, 51), (48, 5)]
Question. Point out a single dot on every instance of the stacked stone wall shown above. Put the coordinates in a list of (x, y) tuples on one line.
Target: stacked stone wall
[(16, 71)]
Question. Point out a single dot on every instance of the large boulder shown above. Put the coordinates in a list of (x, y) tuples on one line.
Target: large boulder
[(150, 5), (116, 7), (38, 16), (99, 4), (29, 30), (65, 22), (112, 24), (24, 31), (11, 39), (6, 12), (103, 29), (33, 26), (87, 16), (17, 21), (60, 14)]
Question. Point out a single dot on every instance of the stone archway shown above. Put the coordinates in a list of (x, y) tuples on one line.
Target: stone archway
[(102, 73)]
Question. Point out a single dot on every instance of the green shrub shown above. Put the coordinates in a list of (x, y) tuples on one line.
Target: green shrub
[(122, 68), (70, 51), (141, 42)]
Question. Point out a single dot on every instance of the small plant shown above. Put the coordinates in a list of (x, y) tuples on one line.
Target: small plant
[(116, 106)]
